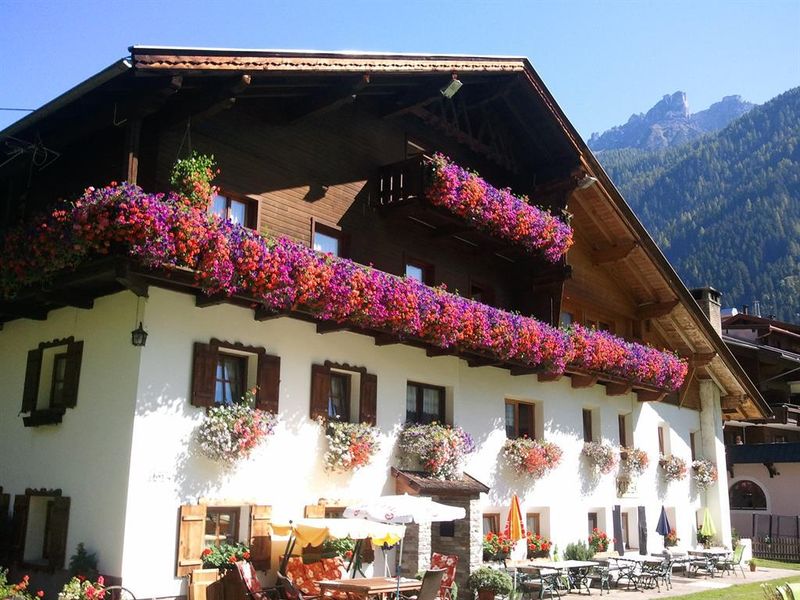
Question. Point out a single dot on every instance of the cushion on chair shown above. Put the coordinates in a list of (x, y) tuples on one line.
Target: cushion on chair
[(448, 562)]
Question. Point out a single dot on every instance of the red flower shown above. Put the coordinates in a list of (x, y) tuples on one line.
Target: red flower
[(348, 554), (206, 552), (231, 559), (246, 555), (40, 593)]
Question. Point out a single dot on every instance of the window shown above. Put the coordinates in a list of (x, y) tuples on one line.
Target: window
[(330, 240), (587, 425), (533, 523), (222, 525), (420, 270), (424, 403), (51, 381), (491, 523), (747, 495), (235, 210), (230, 378), (592, 521), (222, 372), (343, 393), (481, 293), (623, 430), (447, 529), (39, 528), (520, 419)]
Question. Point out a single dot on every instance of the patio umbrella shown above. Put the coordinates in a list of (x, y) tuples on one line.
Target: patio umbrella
[(663, 527), (404, 509), (708, 524), (515, 528)]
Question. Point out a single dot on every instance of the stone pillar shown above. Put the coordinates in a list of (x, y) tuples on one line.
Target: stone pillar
[(416, 549), (715, 497), (466, 540)]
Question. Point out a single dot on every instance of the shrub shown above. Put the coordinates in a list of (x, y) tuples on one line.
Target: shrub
[(83, 563), (578, 551), (485, 578), (17, 591)]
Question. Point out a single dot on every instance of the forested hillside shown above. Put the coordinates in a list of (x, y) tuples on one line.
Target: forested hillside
[(725, 209)]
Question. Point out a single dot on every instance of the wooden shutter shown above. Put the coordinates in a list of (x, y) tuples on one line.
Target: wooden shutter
[(203, 371), (314, 511), (642, 530), (616, 528), (269, 382), (260, 536), (368, 401), (72, 373), (59, 526), (5, 526), (19, 526), (191, 534), (33, 372), (320, 390)]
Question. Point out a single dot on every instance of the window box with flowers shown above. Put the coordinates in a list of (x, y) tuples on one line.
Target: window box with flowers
[(350, 445), (704, 473), (601, 457), (81, 588), (496, 546), (599, 541), (532, 458), (538, 546), (673, 468), (439, 450)]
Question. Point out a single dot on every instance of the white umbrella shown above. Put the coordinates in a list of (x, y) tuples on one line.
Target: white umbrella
[(404, 509)]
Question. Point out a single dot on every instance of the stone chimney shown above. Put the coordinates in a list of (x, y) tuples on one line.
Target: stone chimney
[(710, 301)]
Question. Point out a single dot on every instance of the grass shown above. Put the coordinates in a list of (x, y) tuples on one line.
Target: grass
[(774, 564), (747, 591)]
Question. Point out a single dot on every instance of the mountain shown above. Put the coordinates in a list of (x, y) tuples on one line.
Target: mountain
[(669, 124), (725, 208)]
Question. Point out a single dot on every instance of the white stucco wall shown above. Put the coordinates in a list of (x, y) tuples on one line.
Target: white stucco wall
[(287, 473), (87, 455), (782, 493)]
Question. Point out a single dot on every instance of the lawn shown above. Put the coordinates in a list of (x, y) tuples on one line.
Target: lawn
[(774, 564), (748, 591)]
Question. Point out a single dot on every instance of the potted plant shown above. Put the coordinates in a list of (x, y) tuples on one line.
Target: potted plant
[(753, 564), (489, 582), (81, 588), (704, 540), (671, 539)]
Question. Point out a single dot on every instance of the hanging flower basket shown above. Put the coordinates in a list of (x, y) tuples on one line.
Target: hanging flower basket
[(673, 468), (534, 458), (602, 457), (704, 473), (633, 461), (437, 449), (350, 445)]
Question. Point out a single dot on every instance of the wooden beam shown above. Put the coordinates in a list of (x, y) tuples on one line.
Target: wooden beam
[(131, 281), (333, 99), (386, 339), (133, 133), (24, 311), (204, 105), (417, 98), (732, 401), (484, 362), (68, 298), (517, 371), (331, 327), (701, 359), (582, 381), (618, 389), (201, 300), (613, 253), (262, 313), (655, 310), (650, 395), (441, 352), (544, 377)]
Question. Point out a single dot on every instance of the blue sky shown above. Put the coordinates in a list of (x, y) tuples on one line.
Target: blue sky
[(603, 60)]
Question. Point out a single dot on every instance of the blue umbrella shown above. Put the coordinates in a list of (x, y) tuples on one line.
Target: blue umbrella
[(663, 527)]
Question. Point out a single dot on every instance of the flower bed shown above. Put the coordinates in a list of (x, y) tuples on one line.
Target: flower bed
[(704, 473), (601, 456), (531, 457), (438, 449), (350, 445), (674, 467), (634, 461), (498, 212)]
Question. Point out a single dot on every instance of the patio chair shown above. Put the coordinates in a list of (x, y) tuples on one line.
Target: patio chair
[(601, 574), (653, 575), (733, 562), (431, 583), (543, 581), (251, 583), (287, 590), (703, 565), (448, 562)]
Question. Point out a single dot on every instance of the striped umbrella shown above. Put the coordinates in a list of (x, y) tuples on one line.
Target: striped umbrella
[(515, 526)]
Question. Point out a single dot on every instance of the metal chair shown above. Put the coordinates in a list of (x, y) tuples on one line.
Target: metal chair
[(545, 581), (735, 561)]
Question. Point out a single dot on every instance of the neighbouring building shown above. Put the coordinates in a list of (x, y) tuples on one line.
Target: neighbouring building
[(331, 151)]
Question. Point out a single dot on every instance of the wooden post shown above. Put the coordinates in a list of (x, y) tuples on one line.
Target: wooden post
[(132, 137)]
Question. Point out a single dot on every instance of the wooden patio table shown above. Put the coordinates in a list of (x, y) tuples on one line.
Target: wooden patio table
[(370, 587)]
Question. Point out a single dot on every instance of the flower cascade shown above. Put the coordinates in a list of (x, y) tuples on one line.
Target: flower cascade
[(439, 449), (166, 232), (350, 445), (498, 212), (531, 457), (599, 540), (634, 461), (81, 588), (674, 467), (17, 591), (537, 544), (704, 473), (601, 456), (229, 433)]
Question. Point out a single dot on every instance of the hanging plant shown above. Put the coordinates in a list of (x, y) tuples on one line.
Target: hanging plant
[(673, 467), (437, 449), (704, 473), (350, 445), (601, 456), (534, 458), (633, 461), (191, 178), (229, 433)]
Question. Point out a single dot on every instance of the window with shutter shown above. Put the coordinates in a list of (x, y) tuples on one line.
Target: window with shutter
[(56, 528), (342, 392), (320, 391), (39, 529), (191, 538), (368, 402), (52, 377), (260, 536), (269, 382)]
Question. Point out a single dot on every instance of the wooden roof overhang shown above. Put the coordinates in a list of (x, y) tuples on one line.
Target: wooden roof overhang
[(417, 483)]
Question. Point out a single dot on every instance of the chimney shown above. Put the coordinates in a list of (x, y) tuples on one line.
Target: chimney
[(710, 301)]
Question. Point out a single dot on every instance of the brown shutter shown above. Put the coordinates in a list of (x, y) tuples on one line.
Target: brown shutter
[(191, 533), (314, 511), (203, 370), (269, 382), (368, 401), (19, 526), (32, 374), (320, 390), (5, 526), (59, 526), (260, 536), (72, 373)]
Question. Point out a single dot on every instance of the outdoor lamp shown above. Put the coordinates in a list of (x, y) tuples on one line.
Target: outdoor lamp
[(139, 336), (451, 88), (586, 182)]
